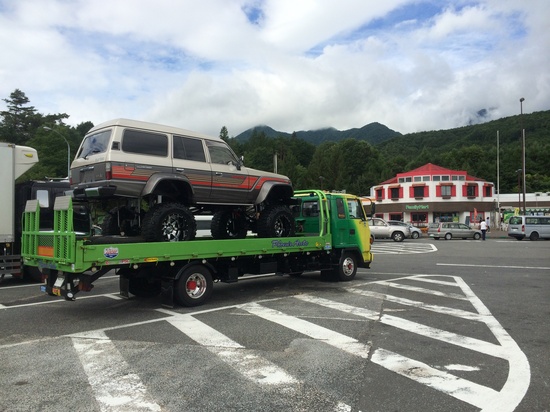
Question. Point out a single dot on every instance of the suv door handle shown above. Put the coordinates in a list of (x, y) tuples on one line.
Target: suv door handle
[(219, 174), (179, 169)]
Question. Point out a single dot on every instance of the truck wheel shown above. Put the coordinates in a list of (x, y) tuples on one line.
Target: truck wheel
[(168, 222), (347, 267), (194, 286), (398, 236), (276, 221), (229, 224)]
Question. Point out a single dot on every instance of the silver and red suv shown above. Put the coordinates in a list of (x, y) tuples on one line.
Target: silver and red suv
[(162, 176)]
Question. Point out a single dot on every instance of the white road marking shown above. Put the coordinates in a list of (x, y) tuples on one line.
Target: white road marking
[(114, 296), (467, 391), (317, 332), (423, 290), (254, 367), (493, 266), (402, 248), (115, 386), (488, 400)]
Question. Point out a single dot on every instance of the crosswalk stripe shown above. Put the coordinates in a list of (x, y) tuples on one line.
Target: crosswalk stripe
[(115, 386), (254, 367), (312, 330)]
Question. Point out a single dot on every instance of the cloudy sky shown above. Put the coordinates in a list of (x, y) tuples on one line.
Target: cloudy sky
[(290, 64)]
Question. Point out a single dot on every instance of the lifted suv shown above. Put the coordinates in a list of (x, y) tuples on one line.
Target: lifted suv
[(162, 176)]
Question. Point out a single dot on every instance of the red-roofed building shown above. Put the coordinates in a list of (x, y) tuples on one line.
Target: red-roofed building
[(433, 193)]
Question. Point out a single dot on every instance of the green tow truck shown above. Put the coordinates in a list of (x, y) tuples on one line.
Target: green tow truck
[(331, 236)]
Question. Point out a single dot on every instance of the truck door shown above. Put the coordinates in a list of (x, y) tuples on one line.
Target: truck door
[(351, 228)]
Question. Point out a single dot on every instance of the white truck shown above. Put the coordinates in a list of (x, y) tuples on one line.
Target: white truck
[(14, 161)]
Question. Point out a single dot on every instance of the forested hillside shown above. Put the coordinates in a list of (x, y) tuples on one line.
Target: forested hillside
[(354, 160)]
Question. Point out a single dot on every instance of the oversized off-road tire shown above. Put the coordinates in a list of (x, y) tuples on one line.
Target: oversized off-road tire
[(347, 267), (168, 222), (110, 225), (229, 224), (193, 286), (276, 221)]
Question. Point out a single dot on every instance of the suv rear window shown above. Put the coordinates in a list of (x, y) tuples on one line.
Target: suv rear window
[(96, 143), (137, 141), (515, 220)]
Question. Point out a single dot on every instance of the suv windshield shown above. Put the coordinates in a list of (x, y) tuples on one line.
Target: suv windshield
[(95, 143)]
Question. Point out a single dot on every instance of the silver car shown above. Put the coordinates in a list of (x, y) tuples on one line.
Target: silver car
[(385, 230), (449, 230), (415, 232)]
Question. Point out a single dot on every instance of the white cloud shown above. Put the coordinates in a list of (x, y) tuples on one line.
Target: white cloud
[(292, 65)]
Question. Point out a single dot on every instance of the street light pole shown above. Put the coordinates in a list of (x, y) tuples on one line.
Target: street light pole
[(522, 152), (68, 149)]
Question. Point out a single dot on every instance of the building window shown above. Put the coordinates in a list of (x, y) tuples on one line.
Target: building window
[(419, 217), (379, 194), (446, 191), (395, 216), (418, 191), (488, 191), (445, 178), (394, 193), (418, 178), (471, 191), (436, 178), (400, 180), (425, 178)]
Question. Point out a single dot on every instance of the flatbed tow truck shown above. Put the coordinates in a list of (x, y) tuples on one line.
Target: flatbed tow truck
[(332, 236)]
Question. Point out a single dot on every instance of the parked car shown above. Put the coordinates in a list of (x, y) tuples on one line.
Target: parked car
[(532, 227), (415, 232), (384, 230), (449, 230)]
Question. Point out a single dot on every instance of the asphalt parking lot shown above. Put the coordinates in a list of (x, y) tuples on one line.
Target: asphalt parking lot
[(456, 325)]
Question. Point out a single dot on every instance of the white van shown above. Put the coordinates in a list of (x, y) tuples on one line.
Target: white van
[(533, 227)]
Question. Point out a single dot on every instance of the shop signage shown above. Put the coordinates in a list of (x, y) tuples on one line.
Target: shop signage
[(417, 207)]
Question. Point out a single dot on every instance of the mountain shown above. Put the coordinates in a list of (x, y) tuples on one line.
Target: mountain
[(373, 133)]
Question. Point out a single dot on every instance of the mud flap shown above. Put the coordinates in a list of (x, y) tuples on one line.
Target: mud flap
[(167, 292)]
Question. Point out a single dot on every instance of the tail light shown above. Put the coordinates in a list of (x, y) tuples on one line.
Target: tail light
[(108, 171)]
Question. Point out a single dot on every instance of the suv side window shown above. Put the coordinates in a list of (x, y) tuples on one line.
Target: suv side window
[(188, 149), (220, 153), (137, 141)]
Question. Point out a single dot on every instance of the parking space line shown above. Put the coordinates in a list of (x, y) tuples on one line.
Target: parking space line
[(494, 266)]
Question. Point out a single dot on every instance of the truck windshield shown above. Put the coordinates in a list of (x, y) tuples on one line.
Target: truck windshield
[(95, 143)]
